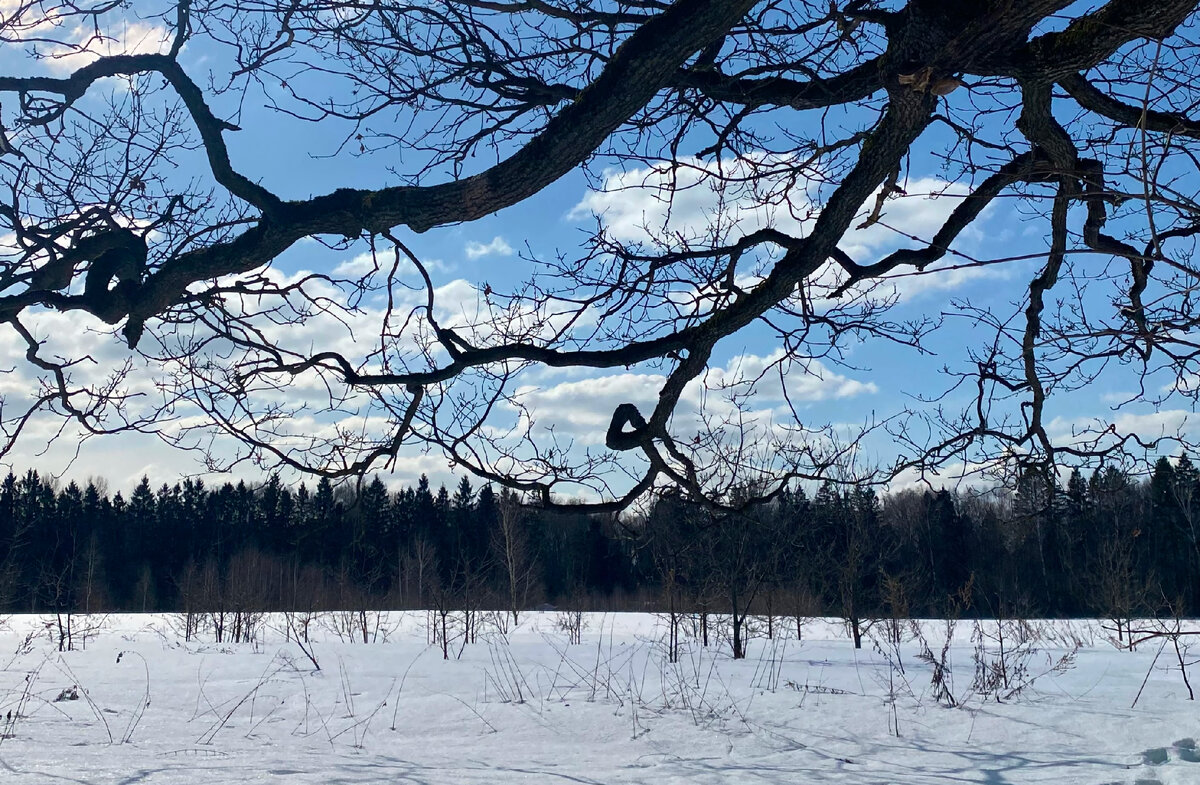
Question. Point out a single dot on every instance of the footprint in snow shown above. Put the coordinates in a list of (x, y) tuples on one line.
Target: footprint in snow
[(1185, 750)]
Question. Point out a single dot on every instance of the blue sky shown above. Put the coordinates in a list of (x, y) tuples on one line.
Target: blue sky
[(863, 381)]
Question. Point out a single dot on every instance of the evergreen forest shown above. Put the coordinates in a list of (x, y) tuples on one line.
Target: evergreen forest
[(1107, 544)]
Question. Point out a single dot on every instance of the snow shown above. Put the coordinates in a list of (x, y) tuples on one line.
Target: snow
[(527, 707)]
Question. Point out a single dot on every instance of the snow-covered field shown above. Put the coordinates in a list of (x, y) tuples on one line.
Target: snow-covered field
[(528, 707)]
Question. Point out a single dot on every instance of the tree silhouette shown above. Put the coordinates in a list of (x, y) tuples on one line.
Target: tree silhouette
[(133, 204)]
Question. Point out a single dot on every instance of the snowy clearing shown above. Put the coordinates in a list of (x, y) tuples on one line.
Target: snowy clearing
[(139, 705)]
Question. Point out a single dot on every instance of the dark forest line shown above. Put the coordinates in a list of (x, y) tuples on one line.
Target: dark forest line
[(1108, 544)]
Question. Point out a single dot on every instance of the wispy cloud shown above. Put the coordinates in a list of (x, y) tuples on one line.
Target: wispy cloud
[(703, 203), (497, 247), (121, 37)]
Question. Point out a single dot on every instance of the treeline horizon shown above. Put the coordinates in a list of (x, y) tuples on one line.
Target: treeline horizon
[(1107, 544)]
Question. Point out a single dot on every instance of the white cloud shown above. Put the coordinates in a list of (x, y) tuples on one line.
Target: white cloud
[(962, 476), (773, 375), (579, 408), (366, 264), (582, 408), (701, 204), (1148, 425), (920, 212), (497, 247), (118, 37), (1187, 383), (357, 266), (697, 201), (936, 278)]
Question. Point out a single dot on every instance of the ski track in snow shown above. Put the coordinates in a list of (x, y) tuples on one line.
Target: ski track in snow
[(529, 708)]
